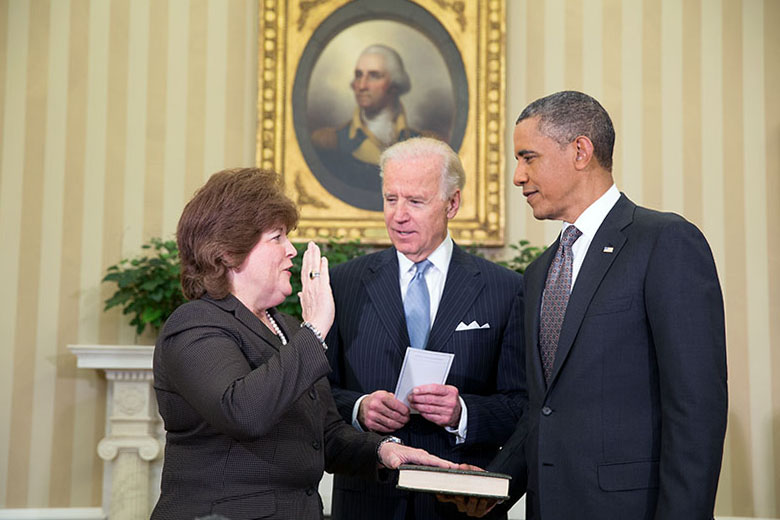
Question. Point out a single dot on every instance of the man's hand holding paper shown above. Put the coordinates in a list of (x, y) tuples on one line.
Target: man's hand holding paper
[(421, 386), (421, 381), (381, 412), (437, 403)]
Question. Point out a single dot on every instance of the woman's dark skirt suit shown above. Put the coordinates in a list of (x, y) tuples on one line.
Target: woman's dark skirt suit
[(251, 424)]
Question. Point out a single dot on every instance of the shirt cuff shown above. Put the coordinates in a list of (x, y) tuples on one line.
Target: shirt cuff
[(355, 409), (462, 429)]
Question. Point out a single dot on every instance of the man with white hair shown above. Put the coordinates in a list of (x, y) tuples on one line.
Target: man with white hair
[(352, 150), (424, 292)]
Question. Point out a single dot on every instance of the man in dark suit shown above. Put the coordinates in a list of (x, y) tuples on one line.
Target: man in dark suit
[(473, 310), (626, 379)]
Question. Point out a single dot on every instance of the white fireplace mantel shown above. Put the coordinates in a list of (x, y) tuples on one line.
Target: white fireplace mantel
[(114, 357), (133, 444)]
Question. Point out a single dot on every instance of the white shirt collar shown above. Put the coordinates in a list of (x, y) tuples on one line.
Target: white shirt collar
[(590, 220), (440, 258)]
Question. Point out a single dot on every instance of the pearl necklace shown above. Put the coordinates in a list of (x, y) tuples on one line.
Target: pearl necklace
[(276, 328)]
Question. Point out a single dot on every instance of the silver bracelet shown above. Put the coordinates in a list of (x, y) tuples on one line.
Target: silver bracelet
[(316, 332), (389, 438)]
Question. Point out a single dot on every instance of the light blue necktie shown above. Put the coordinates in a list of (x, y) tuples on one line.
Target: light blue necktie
[(417, 306)]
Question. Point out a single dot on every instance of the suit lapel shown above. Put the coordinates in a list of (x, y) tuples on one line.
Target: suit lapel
[(592, 272), (461, 288), (384, 291), (232, 305)]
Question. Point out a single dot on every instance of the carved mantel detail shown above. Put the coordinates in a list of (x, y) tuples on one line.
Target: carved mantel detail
[(132, 442)]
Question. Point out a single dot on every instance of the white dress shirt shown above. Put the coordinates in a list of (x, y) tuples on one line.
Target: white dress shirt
[(589, 223), (435, 277)]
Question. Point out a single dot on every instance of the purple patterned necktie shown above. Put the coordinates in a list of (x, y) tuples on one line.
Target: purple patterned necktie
[(556, 298)]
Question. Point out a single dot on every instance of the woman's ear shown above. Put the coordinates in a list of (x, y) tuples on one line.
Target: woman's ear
[(228, 261)]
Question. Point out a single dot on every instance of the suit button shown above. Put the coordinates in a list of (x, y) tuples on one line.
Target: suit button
[(312, 394), (546, 411), (315, 445), (310, 491)]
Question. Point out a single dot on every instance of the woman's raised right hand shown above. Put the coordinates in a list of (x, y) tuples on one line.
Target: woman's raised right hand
[(316, 298)]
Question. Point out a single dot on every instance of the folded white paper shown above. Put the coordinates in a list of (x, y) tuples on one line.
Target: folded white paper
[(422, 367)]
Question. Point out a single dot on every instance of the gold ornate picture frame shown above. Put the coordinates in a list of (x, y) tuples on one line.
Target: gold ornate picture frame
[(454, 52)]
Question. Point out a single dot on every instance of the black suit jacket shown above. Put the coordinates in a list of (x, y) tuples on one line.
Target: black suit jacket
[(250, 424), (368, 342), (632, 422)]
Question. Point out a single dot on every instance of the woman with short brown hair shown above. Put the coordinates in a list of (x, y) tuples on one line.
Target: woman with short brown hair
[(250, 421)]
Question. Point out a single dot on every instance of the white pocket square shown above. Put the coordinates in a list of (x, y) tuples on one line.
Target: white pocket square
[(471, 326)]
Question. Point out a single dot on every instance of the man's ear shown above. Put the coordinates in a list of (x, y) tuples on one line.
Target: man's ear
[(583, 148), (453, 204)]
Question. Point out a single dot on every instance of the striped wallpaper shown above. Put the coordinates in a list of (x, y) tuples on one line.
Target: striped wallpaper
[(113, 111)]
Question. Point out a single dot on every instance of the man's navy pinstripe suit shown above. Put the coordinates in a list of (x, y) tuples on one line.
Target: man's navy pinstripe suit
[(368, 341)]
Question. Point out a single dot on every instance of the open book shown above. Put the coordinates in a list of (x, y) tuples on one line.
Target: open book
[(453, 481)]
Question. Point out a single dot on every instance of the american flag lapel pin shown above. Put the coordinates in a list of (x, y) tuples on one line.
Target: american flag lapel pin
[(608, 249)]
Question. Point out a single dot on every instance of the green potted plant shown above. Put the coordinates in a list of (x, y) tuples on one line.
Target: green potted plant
[(148, 286), (525, 253)]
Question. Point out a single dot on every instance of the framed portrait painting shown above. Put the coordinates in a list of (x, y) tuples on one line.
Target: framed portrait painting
[(340, 80)]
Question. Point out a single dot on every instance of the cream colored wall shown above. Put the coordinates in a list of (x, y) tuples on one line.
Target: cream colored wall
[(113, 111), (111, 114)]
